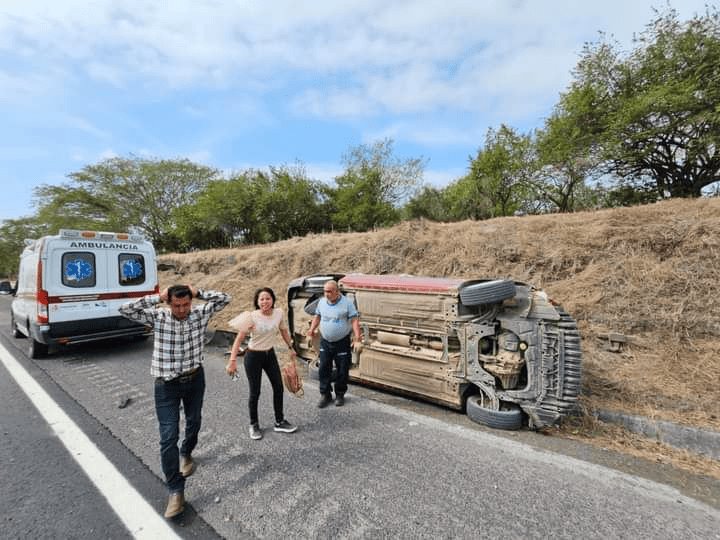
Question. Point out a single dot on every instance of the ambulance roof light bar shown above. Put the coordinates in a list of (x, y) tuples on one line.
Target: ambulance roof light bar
[(95, 235)]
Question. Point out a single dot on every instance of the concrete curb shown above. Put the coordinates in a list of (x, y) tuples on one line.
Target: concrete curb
[(699, 441)]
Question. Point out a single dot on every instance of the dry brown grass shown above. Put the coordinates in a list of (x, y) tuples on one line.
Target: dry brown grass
[(648, 272), (587, 428)]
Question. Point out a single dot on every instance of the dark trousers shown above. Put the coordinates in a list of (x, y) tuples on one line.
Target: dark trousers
[(168, 396), (339, 352), (255, 363)]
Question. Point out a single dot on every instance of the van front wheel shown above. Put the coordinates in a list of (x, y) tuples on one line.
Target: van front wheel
[(509, 417), (37, 349)]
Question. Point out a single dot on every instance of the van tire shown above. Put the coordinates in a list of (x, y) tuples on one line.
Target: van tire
[(509, 419), (487, 292), (36, 349), (15, 330), (314, 371), (208, 336), (311, 306)]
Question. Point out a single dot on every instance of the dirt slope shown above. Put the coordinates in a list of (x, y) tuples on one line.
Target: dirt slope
[(650, 273)]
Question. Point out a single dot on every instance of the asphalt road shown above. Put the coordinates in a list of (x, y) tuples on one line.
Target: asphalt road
[(382, 466)]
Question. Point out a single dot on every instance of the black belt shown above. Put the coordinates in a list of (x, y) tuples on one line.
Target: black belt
[(183, 377)]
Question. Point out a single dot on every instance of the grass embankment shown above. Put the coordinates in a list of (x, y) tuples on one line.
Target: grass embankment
[(650, 273)]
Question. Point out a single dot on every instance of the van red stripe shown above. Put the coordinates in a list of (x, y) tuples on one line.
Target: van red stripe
[(65, 298)]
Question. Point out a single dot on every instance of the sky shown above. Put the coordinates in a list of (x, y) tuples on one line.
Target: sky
[(251, 84)]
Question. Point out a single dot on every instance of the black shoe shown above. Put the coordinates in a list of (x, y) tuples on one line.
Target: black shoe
[(325, 400), (285, 427), (340, 400)]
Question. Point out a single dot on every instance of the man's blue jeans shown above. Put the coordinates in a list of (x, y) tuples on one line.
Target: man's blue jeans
[(168, 396), (340, 352)]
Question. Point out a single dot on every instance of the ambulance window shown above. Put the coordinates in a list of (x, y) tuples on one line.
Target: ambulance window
[(78, 269), (132, 269)]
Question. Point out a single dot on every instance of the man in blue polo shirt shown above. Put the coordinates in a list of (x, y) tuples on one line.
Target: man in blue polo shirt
[(337, 318)]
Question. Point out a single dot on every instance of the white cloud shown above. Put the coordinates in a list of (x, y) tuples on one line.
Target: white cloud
[(439, 178), (200, 156), (84, 125), (394, 52), (216, 79), (325, 172), (108, 153)]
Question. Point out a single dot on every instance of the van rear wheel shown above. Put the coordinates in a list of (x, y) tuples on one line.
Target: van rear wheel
[(314, 371), (37, 349), (15, 330), (487, 292)]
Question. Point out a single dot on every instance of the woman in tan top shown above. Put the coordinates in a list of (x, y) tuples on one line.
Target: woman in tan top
[(263, 325)]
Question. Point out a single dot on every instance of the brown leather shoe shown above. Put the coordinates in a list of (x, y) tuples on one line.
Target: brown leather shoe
[(175, 505), (187, 466)]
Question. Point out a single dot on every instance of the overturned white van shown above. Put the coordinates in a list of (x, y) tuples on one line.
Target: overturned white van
[(502, 350), (70, 286)]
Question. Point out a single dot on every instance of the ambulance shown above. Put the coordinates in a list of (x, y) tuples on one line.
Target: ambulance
[(70, 287)]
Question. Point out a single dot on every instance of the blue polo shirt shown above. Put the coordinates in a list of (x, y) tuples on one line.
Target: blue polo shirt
[(335, 318)]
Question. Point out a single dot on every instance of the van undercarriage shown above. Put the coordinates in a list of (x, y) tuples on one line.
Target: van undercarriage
[(499, 349)]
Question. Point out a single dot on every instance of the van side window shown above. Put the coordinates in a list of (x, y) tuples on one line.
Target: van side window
[(132, 268), (78, 269)]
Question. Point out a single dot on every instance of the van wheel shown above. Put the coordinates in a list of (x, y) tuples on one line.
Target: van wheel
[(488, 292), (209, 335), (15, 330), (314, 371), (509, 417), (310, 307), (37, 349)]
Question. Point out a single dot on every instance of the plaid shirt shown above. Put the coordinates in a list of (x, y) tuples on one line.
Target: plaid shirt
[(178, 344)]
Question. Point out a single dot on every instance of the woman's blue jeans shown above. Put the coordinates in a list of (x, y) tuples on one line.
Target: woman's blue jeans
[(168, 396)]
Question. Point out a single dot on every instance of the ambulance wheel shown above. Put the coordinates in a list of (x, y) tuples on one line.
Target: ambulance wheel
[(37, 349), (15, 330)]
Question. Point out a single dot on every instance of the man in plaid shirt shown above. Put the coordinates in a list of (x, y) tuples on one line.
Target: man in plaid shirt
[(177, 367)]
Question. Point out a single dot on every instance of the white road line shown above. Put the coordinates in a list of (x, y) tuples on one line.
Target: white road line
[(133, 510)]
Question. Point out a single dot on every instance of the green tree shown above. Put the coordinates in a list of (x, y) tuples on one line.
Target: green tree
[(358, 202), (500, 173), (222, 215), (13, 233), (654, 114), (430, 203), (67, 207), (291, 204), (465, 200), (566, 160), (132, 193), (253, 207), (374, 184)]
